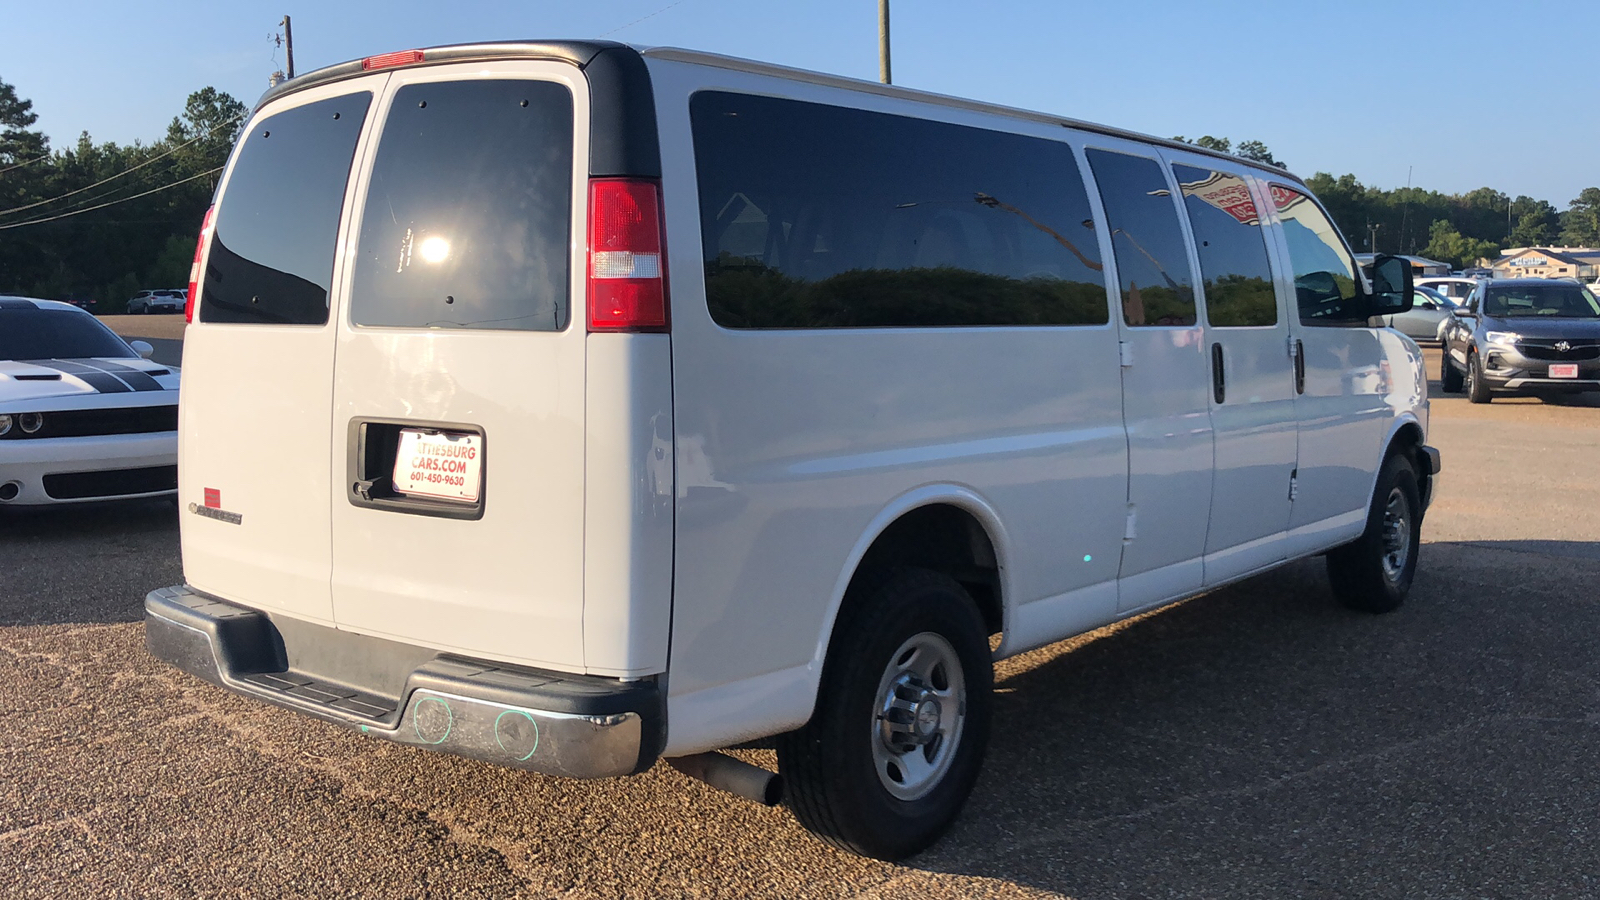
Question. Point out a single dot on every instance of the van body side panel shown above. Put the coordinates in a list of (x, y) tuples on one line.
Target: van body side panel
[(463, 313), (628, 462), (255, 437), (791, 442)]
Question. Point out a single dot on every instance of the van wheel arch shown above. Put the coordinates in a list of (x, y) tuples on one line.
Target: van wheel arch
[(940, 537), (1408, 442)]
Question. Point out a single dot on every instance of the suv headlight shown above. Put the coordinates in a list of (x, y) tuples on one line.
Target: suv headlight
[(1504, 338)]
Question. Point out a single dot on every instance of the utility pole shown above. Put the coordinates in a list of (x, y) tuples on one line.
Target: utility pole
[(288, 38), (1372, 241), (883, 42)]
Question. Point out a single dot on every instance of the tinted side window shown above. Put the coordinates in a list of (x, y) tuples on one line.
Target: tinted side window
[(1235, 276), (468, 216), (818, 216), (271, 257), (1152, 263), (1324, 273)]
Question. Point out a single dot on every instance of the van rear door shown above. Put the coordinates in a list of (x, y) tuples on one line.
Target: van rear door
[(458, 391), (258, 359)]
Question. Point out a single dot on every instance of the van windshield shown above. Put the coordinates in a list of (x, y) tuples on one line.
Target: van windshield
[(1560, 301)]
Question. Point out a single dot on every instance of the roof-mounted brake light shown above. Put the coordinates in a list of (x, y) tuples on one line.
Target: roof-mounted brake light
[(390, 60)]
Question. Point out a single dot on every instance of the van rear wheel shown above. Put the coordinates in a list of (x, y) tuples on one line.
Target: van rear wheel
[(901, 723), (1373, 573)]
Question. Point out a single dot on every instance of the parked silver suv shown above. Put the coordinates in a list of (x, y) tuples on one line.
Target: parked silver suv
[(158, 301), (1524, 335)]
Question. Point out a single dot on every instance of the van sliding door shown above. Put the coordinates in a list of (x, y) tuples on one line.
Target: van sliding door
[(1252, 373), (1166, 381)]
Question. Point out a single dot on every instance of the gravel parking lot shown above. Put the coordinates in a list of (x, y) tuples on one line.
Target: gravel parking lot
[(1259, 741)]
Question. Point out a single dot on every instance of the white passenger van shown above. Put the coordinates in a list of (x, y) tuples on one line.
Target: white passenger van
[(571, 406)]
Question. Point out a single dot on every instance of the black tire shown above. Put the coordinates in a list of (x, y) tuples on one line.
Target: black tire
[(1449, 375), (1373, 573), (1477, 391), (831, 766)]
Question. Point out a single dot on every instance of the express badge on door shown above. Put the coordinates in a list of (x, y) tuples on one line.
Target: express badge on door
[(443, 464)]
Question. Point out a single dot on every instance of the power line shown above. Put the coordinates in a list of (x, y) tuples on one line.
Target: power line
[(153, 159), (21, 164), (113, 202), (637, 21)]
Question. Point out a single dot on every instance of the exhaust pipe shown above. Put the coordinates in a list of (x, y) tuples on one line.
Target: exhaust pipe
[(735, 776)]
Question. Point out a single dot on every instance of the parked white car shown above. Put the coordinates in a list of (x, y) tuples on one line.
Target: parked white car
[(83, 415), (659, 401)]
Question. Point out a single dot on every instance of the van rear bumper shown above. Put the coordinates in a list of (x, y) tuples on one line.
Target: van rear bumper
[(559, 724)]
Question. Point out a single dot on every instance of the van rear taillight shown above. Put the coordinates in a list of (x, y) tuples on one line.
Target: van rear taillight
[(194, 268), (390, 60), (627, 275)]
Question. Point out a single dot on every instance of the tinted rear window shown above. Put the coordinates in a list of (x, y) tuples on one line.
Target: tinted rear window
[(818, 216), (468, 217), (271, 258), (57, 334)]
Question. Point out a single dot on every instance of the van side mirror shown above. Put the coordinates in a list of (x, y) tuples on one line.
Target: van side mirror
[(1392, 290)]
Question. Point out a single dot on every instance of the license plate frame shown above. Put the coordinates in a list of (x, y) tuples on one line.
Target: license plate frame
[(439, 464), (1564, 370)]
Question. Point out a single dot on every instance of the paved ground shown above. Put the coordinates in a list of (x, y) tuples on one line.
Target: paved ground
[(164, 331), (1256, 742)]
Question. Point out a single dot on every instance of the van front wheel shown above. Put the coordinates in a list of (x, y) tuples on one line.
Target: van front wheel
[(1373, 573), (901, 722)]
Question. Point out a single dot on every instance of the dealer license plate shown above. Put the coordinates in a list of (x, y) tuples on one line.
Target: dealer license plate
[(1566, 370), (439, 464)]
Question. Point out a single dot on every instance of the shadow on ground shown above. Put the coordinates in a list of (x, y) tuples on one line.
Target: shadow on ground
[(73, 564), (1263, 741)]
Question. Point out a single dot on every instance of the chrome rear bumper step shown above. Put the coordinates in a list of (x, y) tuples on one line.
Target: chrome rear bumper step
[(557, 723)]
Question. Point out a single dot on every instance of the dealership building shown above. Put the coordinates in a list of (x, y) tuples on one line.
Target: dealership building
[(1581, 263)]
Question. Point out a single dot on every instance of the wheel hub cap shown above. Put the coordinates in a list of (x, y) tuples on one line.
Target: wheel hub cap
[(1396, 535), (920, 712)]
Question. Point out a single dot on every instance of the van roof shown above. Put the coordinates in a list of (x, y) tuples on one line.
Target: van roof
[(582, 53)]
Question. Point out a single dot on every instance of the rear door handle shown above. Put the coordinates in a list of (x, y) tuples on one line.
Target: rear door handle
[(1299, 367), (1219, 380)]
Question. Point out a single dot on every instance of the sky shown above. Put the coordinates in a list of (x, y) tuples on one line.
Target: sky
[(1448, 96)]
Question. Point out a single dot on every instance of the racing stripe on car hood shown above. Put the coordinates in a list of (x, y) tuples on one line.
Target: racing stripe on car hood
[(139, 381), (104, 382)]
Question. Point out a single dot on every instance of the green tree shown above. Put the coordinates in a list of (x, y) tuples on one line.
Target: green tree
[(1580, 224), (1257, 151), (1446, 244)]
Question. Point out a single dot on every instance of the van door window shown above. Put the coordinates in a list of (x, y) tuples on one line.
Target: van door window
[(818, 216), (1152, 263), (468, 215), (1235, 276), (271, 258), (1324, 272)]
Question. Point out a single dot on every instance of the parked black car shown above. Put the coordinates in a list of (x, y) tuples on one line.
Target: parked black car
[(1525, 336)]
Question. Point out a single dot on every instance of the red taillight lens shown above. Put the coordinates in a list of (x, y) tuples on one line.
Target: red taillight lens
[(627, 273), (194, 268), (390, 60)]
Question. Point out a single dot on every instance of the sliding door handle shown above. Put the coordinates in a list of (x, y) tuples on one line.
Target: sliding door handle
[(1219, 379)]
